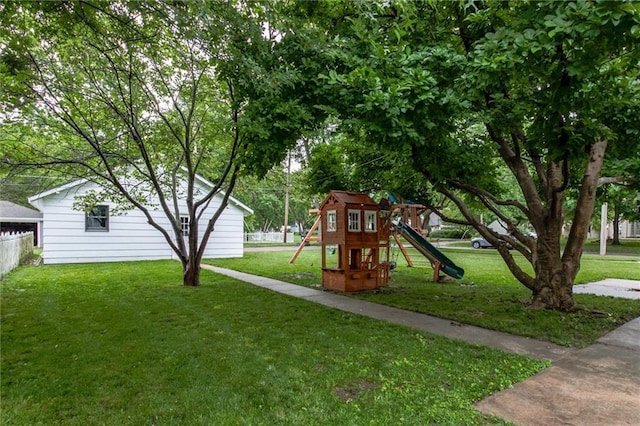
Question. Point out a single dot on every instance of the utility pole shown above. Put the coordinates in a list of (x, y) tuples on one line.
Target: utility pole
[(286, 198), (603, 229)]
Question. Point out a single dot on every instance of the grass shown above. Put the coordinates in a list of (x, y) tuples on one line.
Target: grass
[(270, 244), (127, 344), (488, 296), (628, 247)]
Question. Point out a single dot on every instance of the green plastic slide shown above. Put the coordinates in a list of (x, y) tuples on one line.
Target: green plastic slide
[(428, 250)]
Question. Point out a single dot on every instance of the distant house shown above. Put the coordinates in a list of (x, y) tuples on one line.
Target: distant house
[(627, 229), (498, 227), (435, 222), (73, 236), (16, 218)]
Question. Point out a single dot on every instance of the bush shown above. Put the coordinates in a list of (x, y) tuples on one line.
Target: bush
[(453, 233)]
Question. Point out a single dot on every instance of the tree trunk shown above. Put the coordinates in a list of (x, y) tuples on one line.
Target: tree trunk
[(554, 273), (555, 292), (191, 272), (616, 225), (553, 283), (553, 276)]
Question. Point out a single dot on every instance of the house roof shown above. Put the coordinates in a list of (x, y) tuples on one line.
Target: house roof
[(231, 199), (79, 182), (12, 212), (347, 197)]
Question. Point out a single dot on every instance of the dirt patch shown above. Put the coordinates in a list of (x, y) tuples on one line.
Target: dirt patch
[(352, 391), (301, 275)]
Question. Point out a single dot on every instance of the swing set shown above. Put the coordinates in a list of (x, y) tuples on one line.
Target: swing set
[(355, 234)]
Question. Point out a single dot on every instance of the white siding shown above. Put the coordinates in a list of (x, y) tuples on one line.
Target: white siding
[(498, 227), (130, 237), (626, 229)]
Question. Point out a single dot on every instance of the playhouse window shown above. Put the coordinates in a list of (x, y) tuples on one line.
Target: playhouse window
[(331, 221), (354, 221), (97, 219), (184, 225), (370, 221)]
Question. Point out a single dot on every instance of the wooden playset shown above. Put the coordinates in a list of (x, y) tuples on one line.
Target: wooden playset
[(355, 242), (355, 233)]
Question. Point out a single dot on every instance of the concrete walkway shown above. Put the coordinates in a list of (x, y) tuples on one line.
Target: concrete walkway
[(598, 385), (628, 289)]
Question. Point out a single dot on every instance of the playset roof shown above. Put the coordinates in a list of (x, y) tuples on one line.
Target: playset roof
[(349, 198)]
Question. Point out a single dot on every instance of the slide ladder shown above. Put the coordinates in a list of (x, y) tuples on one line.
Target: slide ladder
[(439, 261)]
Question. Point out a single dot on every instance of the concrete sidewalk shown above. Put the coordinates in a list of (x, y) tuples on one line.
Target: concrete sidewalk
[(628, 289), (598, 385)]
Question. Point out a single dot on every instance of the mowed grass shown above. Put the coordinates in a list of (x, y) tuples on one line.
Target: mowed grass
[(127, 344), (626, 247), (488, 296)]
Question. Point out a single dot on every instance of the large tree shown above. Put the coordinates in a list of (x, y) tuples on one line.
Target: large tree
[(139, 95), (464, 91)]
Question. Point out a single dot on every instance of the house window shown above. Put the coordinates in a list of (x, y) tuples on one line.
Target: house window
[(331, 221), (97, 219), (354, 221), (370, 221), (184, 225)]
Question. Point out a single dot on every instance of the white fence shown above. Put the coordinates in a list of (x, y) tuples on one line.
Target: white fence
[(14, 249), (267, 237)]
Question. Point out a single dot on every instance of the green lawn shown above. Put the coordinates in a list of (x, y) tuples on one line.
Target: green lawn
[(487, 296), (627, 247), (126, 344)]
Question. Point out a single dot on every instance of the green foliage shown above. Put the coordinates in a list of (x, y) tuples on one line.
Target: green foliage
[(266, 197), (501, 107), (140, 96), (406, 80), (621, 186), (452, 233), (17, 186), (122, 344), (327, 170), (182, 87)]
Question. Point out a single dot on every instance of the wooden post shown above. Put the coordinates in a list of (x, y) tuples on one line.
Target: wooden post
[(436, 272), (306, 239), (403, 250)]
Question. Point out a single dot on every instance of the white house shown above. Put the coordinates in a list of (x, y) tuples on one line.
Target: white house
[(73, 236), (626, 229), (498, 227)]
